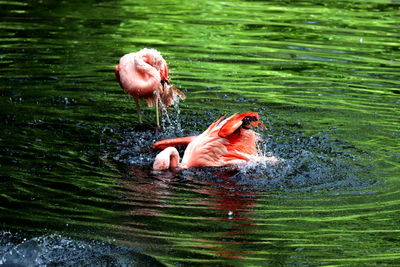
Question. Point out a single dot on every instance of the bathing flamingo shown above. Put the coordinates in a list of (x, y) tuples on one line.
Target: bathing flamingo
[(226, 142), (144, 74)]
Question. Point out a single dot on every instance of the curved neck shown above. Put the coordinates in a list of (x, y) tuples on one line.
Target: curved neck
[(167, 159)]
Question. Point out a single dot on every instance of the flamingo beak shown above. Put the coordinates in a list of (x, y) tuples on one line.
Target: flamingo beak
[(251, 122), (256, 123)]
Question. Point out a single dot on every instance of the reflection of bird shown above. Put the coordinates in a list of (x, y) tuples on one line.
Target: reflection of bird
[(226, 142), (144, 74)]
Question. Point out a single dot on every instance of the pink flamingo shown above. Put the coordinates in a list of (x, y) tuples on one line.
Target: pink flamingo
[(144, 74), (226, 142)]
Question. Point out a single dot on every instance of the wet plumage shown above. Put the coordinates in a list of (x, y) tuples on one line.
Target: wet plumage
[(145, 75), (226, 142)]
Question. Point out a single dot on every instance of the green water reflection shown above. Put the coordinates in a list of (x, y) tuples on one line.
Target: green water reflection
[(312, 69)]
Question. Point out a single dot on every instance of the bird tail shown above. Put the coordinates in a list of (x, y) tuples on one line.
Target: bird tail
[(172, 95), (178, 92), (168, 97)]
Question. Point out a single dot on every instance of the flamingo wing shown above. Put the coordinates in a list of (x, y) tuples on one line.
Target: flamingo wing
[(234, 122), (179, 141)]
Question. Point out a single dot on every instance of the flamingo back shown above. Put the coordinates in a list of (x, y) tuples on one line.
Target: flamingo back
[(226, 142)]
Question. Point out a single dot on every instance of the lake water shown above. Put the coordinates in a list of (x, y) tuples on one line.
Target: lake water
[(76, 181)]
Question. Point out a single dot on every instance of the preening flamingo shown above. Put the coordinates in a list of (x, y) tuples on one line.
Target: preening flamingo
[(144, 74), (227, 141)]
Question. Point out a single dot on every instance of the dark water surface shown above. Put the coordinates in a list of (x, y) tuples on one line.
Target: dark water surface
[(75, 165)]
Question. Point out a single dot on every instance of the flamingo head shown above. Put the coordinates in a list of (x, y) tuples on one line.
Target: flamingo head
[(236, 122), (251, 121)]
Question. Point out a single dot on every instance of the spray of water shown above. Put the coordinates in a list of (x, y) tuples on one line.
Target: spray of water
[(305, 162), (170, 117), (57, 250)]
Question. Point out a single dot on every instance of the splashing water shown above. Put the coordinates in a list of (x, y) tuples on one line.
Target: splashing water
[(170, 116), (53, 249), (300, 60), (305, 162)]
